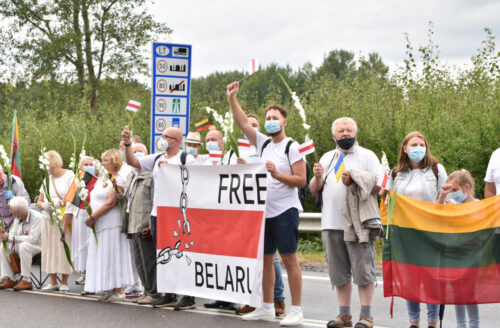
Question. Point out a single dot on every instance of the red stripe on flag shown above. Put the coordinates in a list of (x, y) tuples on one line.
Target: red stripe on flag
[(132, 105), (475, 285), (203, 127), (243, 144), (301, 150), (253, 65), (384, 182), (216, 232)]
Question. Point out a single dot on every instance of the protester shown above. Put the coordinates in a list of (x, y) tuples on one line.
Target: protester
[(251, 156), (16, 189), (420, 176), (109, 266), (137, 203), (53, 255), (286, 174), (79, 231), (24, 239), (348, 261), (492, 178), (459, 188), (193, 145), (169, 145)]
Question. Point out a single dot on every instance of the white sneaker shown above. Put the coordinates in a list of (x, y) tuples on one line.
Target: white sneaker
[(49, 288), (80, 280), (64, 288), (260, 314), (292, 318), (116, 297)]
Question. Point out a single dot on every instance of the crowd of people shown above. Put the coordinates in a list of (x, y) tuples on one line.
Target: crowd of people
[(113, 246)]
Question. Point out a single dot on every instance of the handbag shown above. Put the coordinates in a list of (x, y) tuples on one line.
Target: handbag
[(318, 202), (15, 263)]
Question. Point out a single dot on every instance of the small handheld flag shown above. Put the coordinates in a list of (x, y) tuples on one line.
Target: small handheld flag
[(215, 156), (243, 143), (254, 66), (133, 106), (382, 179), (307, 147), (202, 125), (339, 166)]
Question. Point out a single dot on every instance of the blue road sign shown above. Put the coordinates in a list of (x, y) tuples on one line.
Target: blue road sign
[(171, 86)]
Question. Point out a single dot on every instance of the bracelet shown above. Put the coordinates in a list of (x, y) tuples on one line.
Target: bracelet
[(127, 145)]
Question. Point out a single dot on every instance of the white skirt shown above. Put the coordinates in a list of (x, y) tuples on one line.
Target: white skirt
[(53, 256), (80, 240), (109, 262)]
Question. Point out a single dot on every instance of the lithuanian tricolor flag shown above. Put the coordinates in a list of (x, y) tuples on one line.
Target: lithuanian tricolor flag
[(202, 125), (443, 254), (73, 196)]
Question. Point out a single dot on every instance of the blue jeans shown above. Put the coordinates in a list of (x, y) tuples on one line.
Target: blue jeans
[(472, 310), (414, 311), (278, 283)]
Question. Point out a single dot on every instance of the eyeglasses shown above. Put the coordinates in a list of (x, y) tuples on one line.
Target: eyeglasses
[(164, 136)]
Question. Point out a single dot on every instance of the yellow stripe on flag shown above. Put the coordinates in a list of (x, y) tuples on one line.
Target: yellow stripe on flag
[(205, 121), (444, 218), (339, 172)]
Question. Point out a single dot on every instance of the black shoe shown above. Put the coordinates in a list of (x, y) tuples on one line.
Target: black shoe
[(222, 305), (169, 300), (186, 303)]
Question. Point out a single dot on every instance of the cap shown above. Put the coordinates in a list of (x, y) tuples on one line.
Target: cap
[(193, 137)]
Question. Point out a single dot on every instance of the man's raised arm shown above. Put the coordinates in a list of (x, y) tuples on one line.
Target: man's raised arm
[(239, 115)]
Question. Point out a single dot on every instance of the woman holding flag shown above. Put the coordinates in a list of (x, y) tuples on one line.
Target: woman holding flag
[(418, 175)]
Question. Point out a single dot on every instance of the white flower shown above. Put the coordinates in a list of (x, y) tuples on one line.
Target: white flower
[(5, 158), (83, 193), (385, 164), (81, 184)]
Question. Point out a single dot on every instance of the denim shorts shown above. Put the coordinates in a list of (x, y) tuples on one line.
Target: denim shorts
[(282, 233)]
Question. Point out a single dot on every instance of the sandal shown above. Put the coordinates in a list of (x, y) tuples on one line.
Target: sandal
[(341, 321), (364, 322)]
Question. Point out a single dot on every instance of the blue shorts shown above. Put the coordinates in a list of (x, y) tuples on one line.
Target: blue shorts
[(282, 233)]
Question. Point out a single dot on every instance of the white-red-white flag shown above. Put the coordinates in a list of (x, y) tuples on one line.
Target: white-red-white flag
[(215, 156), (133, 105), (243, 144), (254, 66), (382, 180), (307, 147)]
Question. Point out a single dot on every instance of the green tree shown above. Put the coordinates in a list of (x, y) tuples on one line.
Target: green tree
[(82, 40), (339, 63)]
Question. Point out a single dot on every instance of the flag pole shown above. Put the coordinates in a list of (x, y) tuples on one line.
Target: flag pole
[(13, 136)]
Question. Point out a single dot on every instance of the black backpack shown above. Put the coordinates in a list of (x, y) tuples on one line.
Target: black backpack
[(304, 191)]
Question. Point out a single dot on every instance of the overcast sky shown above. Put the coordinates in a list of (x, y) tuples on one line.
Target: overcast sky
[(225, 34)]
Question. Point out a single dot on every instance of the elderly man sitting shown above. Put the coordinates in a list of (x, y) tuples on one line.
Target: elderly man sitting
[(25, 236)]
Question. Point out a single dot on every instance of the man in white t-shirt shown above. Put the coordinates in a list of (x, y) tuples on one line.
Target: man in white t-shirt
[(492, 178), (287, 172), (169, 145), (345, 259)]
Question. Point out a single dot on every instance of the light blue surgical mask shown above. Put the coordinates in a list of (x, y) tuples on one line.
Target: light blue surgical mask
[(458, 196), (272, 126), (138, 154), (212, 145), (89, 169), (122, 153), (417, 153), (191, 150)]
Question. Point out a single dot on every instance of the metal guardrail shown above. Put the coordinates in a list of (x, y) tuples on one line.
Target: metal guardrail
[(310, 222)]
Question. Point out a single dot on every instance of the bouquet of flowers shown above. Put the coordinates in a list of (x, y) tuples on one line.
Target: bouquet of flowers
[(6, 164), (83, 196)]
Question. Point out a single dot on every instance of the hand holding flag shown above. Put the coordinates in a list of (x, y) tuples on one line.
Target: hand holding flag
[(132, 106)]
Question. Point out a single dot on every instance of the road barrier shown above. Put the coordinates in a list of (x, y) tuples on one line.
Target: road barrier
[(310, 222)]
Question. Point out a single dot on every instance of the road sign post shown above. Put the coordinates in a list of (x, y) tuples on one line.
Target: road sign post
[(170, 89)]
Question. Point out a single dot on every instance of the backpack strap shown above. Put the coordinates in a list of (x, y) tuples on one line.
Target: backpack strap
[(267, 142), (287, 150)]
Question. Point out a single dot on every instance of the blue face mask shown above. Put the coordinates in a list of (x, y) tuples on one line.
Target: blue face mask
[(272, 126), (458, 196), (417, 153), (212, 145), (192, 151), (138, 154), (122, 153), (89, 169)]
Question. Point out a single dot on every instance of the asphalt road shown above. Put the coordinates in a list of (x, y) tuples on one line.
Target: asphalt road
[(39, 309)]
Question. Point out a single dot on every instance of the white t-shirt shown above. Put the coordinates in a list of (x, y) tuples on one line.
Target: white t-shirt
[(415, 185), (334, 193), (148, 164), (493, 170), (280, 197)]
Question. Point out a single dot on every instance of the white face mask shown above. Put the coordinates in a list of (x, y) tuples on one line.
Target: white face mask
[(162, 144)]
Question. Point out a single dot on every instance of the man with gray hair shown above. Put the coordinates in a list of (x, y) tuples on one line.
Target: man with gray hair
[(24, 239), (346, 259)]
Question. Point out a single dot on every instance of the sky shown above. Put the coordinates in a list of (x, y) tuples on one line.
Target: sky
[(226, 35)]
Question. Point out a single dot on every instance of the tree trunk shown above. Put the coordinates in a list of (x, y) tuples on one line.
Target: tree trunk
[(80, 65), (94, 83)]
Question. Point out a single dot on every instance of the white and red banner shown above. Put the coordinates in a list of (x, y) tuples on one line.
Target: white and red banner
[(214, 247), (307, 147), (133, 105)]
